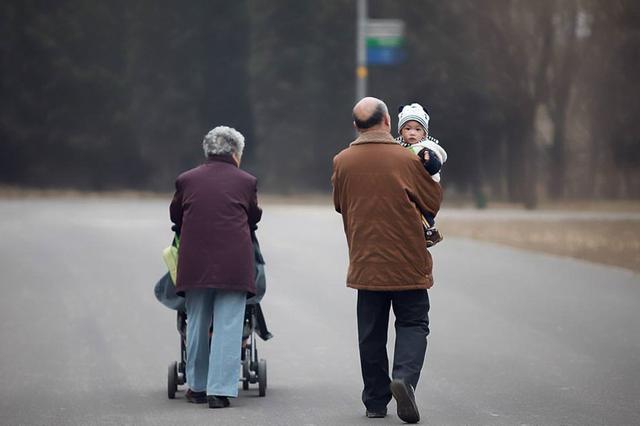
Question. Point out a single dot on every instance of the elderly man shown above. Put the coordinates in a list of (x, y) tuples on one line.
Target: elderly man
[(214, 208), (381, 190)]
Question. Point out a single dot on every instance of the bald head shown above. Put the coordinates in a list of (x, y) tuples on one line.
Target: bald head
[(371, 114)]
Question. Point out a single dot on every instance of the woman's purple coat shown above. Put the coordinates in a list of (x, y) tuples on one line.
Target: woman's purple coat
[(214, 208)]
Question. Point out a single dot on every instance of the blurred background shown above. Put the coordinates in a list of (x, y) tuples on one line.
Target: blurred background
[(537, 102), (533, 100)]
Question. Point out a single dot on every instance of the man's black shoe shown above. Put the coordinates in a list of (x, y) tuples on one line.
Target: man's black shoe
[(405, 401), (218, 401), (377, 414), (196, 397)]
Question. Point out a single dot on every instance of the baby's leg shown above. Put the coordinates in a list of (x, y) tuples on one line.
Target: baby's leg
[(428, 220)]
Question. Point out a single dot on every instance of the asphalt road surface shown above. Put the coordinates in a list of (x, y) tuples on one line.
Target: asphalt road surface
[(518, 338)]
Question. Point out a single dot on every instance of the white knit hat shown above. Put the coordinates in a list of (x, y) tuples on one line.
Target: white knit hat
[(413, 112)]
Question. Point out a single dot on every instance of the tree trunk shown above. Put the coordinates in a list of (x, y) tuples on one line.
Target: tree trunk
[(556, 185)]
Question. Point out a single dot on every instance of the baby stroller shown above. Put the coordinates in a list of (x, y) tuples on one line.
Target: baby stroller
[(254, 369)]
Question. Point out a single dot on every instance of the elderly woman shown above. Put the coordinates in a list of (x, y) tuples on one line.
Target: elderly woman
[(214, 209)]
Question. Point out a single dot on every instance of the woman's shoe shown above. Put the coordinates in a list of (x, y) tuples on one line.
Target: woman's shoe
[(196, 397), (218, 401)]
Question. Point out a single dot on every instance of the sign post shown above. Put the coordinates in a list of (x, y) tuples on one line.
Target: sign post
[(361, 51), (378, 42)]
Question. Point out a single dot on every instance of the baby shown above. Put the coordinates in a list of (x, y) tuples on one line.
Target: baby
[(413, 129)]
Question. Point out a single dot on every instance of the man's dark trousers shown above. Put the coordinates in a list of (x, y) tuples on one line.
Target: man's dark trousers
[(411, 309)]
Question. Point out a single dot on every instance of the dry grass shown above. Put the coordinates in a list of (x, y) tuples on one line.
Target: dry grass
[(614, 243), (596, 205)]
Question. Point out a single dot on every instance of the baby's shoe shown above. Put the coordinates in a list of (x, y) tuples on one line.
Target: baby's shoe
[(433, 236)]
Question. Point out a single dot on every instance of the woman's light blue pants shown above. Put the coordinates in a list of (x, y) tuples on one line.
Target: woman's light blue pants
[(215, 369)]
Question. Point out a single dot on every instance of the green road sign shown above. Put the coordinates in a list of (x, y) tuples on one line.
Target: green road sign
[(396, 41)]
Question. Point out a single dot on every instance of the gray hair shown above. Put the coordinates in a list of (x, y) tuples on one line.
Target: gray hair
[(223, 140)]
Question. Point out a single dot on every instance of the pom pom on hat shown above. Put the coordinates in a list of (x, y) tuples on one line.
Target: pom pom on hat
[(413, 112)]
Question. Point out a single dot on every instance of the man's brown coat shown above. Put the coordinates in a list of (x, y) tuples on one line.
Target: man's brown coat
[(381, 189)]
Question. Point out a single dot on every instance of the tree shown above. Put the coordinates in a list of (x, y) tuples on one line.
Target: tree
[(301, 71)]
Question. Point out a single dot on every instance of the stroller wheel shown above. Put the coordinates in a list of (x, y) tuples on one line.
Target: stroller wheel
[(172, 380), (246, 374), (262, 377), (182, 378)]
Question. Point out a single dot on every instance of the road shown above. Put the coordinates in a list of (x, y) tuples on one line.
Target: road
[(518, 338)]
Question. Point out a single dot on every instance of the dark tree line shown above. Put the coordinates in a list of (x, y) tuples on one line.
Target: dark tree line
[(530, 99)]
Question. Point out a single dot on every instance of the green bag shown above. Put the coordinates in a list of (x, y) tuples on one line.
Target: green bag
[(170, 257)]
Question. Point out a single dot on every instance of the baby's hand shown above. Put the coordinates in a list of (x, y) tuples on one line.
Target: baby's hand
[(424, 154)]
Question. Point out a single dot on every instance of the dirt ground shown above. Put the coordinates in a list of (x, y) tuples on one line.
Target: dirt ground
[(614, 243)]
